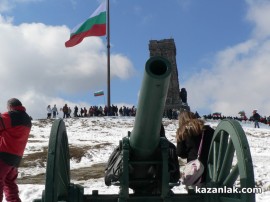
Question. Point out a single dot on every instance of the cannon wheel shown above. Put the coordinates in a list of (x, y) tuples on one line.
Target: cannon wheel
[(58, 167), (230, 163)]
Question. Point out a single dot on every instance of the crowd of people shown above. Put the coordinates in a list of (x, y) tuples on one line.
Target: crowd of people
[(103, 111), (255, 117), (91, 111), (131, 111)]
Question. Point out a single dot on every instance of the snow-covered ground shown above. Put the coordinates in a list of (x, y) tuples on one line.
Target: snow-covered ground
[(98, 137)]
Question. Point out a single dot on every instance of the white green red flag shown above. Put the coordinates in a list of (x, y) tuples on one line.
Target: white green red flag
[(95, 25), (99, 93)]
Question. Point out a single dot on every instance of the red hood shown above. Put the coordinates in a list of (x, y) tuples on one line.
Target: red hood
[(18, 108)]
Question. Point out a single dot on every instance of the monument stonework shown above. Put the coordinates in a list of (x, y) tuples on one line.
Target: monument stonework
[(166, 48)]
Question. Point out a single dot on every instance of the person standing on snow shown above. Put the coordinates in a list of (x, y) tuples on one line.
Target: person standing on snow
[(54, 111), (76, 111), (49, 112), (65, 111), (256, 118), (15, 126)]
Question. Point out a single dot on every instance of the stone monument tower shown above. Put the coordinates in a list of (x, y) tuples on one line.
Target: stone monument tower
[(166, 48)]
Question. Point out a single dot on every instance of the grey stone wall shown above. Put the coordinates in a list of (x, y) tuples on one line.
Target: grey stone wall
[(166, 48)]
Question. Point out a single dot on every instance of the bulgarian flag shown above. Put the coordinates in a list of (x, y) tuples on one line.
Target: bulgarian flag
[(99, 93), (95, 25)]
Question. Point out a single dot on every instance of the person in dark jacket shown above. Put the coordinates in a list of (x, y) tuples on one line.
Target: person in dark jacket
[(256, 118), (65, 111), (76, 111), (188, 137), (15, 126)]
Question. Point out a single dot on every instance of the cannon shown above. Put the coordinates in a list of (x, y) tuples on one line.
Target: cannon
[(144, 151), (229, 159)]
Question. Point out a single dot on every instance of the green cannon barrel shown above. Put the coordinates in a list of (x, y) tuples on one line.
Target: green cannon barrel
[(145, 136)]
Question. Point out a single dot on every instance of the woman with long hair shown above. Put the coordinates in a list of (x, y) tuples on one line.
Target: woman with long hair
[(188, 138)]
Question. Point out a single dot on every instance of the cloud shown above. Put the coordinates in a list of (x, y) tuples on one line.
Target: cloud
[(239, 77), (36, 67), (259, 15), (7, 5)]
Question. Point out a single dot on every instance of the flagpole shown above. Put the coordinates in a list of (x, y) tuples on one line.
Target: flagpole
[(108, 58)]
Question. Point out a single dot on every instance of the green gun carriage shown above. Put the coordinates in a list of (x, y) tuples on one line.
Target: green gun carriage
[(229, 159)]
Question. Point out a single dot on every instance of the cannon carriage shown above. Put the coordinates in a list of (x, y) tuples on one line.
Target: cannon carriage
[(229, 159)]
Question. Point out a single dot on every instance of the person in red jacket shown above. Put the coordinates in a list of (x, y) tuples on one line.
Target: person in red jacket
[(15, 126)]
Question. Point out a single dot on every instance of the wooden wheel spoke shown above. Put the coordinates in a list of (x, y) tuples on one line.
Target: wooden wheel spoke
[(210, 171), (232, 177), (215, 157), (223, 145), (227, 162)]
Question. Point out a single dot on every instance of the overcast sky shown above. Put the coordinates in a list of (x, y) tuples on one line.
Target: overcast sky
[(223, 52)]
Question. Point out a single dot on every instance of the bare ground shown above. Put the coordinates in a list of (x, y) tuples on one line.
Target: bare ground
[(93, 172), (76, 153)]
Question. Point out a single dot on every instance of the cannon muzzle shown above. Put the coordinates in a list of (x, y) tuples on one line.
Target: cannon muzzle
[(145, 136)]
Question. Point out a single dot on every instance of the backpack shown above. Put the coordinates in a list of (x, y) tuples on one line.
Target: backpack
[(113, 169), (193, 170)]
